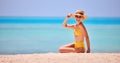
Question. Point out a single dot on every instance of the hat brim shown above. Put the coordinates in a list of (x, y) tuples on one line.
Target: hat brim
[(84, 16)]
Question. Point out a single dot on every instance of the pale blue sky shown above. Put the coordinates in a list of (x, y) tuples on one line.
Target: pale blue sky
[(59, 8)]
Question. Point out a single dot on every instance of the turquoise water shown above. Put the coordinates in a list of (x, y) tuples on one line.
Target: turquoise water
[(43, 35)]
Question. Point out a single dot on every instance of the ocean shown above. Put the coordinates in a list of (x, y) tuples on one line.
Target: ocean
[(29, 35)]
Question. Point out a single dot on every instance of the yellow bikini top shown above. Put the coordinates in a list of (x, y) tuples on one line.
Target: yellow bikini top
[(77, 31)]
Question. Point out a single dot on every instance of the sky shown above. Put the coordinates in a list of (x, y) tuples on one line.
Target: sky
[(59, 8)]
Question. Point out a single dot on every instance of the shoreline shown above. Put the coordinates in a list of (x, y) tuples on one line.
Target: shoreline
[(62, 58)]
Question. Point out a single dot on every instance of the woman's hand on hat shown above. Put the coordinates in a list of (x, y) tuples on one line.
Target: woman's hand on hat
[(69, 15)]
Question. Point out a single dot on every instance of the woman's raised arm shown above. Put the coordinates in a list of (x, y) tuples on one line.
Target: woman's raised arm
[(65, 22)]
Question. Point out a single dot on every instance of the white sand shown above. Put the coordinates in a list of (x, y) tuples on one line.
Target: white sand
[(62, 58)]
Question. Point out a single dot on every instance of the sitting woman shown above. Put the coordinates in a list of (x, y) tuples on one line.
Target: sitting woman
[(79, 33)]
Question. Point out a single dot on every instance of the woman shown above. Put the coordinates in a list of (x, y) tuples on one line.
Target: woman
[(79, 33)]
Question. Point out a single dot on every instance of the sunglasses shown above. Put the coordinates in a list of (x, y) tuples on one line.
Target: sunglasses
[(78, 16)]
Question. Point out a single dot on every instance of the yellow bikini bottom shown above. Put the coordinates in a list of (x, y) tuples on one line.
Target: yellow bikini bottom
[(79, 44)]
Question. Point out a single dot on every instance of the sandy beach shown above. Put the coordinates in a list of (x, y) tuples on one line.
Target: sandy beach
[(62, 58)]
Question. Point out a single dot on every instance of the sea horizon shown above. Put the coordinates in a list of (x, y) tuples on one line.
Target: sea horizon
[(57, 20)]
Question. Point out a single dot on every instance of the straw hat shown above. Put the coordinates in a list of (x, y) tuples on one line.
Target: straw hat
[(79, 13)]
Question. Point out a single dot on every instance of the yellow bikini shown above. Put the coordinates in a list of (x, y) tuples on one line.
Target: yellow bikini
[(77, 32), (79, 44)]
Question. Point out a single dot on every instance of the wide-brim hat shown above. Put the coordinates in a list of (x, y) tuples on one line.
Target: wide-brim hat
[(79, 13)]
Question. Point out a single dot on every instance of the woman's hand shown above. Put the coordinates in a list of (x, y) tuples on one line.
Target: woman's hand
[(88, 51), (69, 15)]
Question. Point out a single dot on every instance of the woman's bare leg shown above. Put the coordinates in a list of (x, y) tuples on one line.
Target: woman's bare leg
[(67, 48), (70, 48)]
